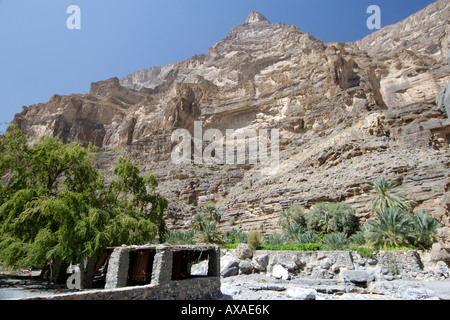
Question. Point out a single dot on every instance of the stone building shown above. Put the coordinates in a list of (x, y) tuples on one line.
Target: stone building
[(155, 272)]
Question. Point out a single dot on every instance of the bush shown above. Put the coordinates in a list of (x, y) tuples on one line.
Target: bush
[(359, 238), (254, 240), (335, 241), (210, 234), (292, 247), (307, 237), (292, 231), (236, 236), (181, 237), (298, 214), (275, 239), (294, 215), (425, 230), (364, 252), (332, 217), (210, 213)]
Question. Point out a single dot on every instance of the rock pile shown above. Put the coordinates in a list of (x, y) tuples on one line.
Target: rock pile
[(341, 265), (402, 275)]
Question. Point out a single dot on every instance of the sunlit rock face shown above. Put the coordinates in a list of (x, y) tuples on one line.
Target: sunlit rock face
[(346, 113)]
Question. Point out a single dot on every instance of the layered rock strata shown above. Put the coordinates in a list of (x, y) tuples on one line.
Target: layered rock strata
[(346, 113)]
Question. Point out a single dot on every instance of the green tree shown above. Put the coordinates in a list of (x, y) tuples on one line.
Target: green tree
[(425, 230), (292, 231), (332, 217), (55, 205), (210, 233), (197, 222), (236, 236), (294, 215), (210, 213), (393, 228), (385, 193)]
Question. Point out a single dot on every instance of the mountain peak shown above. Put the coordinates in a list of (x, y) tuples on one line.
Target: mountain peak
[(255, 16)]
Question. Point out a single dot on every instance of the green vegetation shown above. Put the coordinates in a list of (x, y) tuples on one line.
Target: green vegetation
[(292, 247), (333, 226), (332, 217), (55, 206), (254, 240), (385, 194)]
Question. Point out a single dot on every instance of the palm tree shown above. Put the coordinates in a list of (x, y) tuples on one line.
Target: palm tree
[(335, 240), (385, 194), (210, 213), (307, 237), (210, 233), (292, 231), (425, 229), (197, 222), (394, 227), (285, 219)]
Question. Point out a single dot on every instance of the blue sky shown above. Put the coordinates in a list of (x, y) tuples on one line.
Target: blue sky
[(40, 56)]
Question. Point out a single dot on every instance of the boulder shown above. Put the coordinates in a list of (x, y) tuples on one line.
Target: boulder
[(359, 277), (325, 264), (245, 267), (229, 266), (279, 272), (200, 269), (260, 263), (440, 253), (244, 251), (301, 294)]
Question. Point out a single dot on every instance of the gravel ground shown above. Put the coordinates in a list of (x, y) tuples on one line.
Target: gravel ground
[(19, 288), (261, 287)]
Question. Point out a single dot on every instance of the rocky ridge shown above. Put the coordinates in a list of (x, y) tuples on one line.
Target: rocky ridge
[(346, 113)]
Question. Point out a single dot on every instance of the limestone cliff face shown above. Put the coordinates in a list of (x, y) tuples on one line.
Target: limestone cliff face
[(346, 114)]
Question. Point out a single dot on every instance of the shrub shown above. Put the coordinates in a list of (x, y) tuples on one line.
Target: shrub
[(358, 238), (297, 213), (181, 237), (236, 236), (292, 247), (254, 240), (425, 230), (292, 232), (197, 222), (275, 239), (335, 241), (307, 237), (210, 213), (364, 252), (332, 217)]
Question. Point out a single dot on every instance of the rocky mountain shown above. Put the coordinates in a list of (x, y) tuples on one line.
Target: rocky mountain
[(346, 113)]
